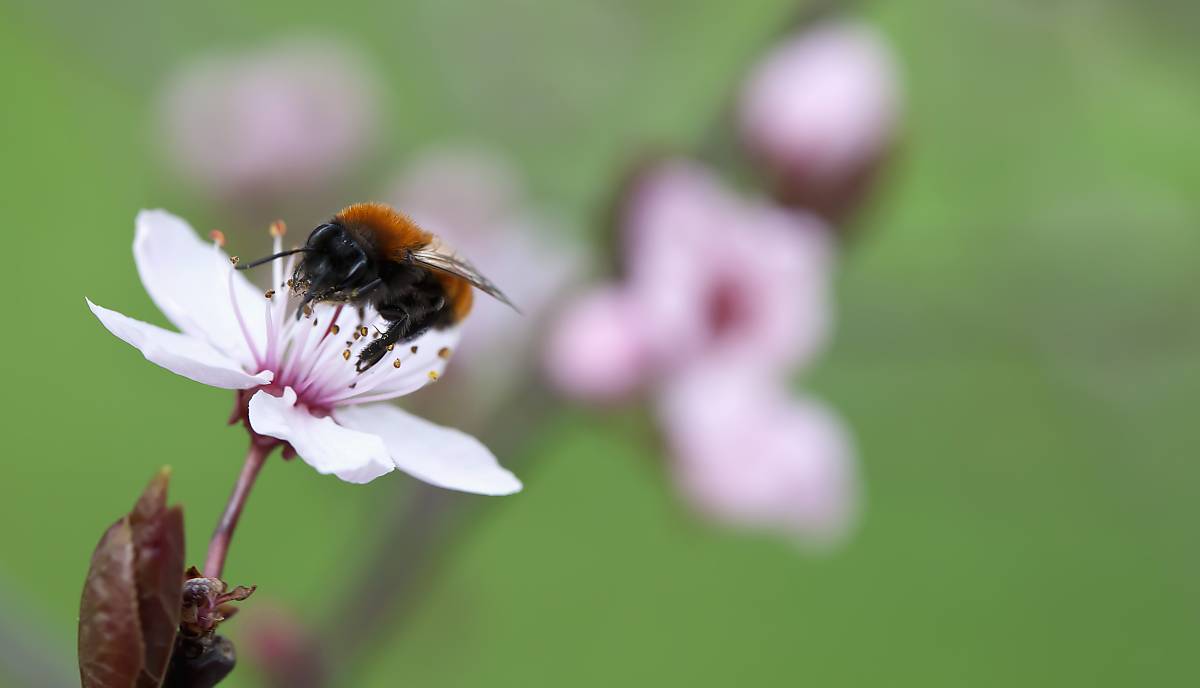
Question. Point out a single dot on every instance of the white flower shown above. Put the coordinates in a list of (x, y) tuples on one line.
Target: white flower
[(298, 374)]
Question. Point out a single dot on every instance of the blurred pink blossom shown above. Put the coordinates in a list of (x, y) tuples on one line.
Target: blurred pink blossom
[(723, 297), (748, 455), (710, 276), (820, 112), (285, 652), (285, 119), (597, 351), (475, 200)]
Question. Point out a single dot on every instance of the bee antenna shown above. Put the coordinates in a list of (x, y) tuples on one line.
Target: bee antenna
[(270, 258)]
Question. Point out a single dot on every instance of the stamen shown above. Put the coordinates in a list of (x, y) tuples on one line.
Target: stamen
[(237, 312), (218, 238), (278, 228)]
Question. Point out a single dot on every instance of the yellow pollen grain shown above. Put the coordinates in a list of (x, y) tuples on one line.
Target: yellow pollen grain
[(270, 294), (414, 349), (433, 376), (356, 336), (335, 329), (396, 363), (363, 330), (391, 347), (346, 354), (444, 352)]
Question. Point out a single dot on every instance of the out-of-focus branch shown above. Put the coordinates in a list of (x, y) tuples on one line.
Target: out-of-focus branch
[(412, 541)]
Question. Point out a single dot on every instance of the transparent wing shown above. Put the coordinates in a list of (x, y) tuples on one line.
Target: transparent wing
[(437, 256)]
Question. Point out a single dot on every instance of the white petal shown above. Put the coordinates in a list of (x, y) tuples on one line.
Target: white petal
[(417, 369), (440, 456), (188, 280), (179, 353), (355, 457)]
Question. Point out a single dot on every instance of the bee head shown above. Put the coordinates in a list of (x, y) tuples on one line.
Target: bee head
[(333, 262)]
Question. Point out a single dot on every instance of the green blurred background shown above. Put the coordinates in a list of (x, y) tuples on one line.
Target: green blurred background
[(1016, 350)]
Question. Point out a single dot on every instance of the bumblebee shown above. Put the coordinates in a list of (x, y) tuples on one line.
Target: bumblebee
[(370, 254)]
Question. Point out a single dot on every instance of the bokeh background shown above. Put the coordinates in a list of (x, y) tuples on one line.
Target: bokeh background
[(1018, 320)]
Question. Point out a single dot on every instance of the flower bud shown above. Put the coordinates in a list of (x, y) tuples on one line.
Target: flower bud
[(819, 114)]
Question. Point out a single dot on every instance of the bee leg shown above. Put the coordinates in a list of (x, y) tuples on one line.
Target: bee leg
[(366, 288), (378, 348), (308, 298)]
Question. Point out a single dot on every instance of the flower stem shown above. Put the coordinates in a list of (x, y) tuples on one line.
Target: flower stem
[(218, 547)]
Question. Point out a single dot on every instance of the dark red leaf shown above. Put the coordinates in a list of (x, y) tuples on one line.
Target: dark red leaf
[(110, 636), (158, 547), (132, 599)]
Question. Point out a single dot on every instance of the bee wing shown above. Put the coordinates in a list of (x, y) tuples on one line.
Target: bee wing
[(438, 256)]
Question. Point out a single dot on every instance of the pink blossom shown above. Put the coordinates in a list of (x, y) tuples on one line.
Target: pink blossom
[(746, 454), (721, 276), (723, 298), (820, 110), (710, 276), (597, 351), (286, 119)]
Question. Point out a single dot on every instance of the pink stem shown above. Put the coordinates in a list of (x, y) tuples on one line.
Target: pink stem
[(218, 547)]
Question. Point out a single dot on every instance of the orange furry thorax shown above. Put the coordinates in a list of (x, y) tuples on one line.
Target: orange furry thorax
[(388, 231), (392, 235)]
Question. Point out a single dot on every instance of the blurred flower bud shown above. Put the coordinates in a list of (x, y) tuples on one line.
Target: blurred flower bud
[(285, 120), (286, 654), (747, 455), (596, 352), (130, 610), (819, 112)]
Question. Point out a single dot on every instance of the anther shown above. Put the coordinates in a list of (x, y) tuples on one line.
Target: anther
[(277, 228), (444, 352), (218, 237)]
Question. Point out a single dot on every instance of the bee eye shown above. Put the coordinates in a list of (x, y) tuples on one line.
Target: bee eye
[(322, 233)]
